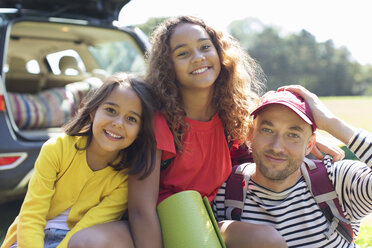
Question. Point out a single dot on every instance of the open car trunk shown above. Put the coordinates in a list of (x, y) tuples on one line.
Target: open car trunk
[(51, 65), (105, 10)]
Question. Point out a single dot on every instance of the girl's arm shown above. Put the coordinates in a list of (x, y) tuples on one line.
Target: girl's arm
[(323, 145), (143, 219), (242, 234), (32, 216)]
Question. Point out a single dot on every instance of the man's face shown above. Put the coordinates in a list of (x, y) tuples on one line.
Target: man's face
[(280, 141)]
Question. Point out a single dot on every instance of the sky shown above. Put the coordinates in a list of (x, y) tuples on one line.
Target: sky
[(347, 22)]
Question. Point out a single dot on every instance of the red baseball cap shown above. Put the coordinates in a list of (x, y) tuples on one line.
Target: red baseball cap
[(289, 99)]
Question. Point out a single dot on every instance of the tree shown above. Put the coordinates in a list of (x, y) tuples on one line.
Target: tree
[(297, 58), (149, 26)]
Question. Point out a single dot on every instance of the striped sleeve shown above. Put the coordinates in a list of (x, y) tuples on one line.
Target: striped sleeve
[(353, 179), (361, 145)]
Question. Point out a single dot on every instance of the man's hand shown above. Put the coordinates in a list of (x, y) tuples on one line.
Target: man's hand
[(323, 117)]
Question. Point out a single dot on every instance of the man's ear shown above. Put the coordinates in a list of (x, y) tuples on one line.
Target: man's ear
[(310, 144)]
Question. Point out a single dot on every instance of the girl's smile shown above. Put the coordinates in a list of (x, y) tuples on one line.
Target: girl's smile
[(116, 123), (200, 71), (194, 56), (112, 135)]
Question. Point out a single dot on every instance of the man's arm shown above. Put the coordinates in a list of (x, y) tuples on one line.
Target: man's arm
[(353, 179)]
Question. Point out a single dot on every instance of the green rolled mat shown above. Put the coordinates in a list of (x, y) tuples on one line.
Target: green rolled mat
[(187, 221)]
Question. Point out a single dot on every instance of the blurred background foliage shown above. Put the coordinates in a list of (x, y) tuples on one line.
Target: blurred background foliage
[(297, 58)]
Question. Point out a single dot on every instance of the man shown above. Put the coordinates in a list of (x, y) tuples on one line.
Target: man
[(277, 193)]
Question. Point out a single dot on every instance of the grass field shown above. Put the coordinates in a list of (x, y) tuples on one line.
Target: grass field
[(355, 110)]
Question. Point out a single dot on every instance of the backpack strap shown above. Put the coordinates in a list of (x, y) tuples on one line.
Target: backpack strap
[(236, 189), (322, 189)]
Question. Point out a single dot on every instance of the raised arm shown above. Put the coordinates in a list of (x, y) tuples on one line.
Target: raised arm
[(324, 118), (143, 219)]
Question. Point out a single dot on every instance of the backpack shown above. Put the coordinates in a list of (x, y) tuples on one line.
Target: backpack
[(316, 177)]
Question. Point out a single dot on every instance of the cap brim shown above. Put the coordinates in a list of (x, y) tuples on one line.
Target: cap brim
[(298, 112)]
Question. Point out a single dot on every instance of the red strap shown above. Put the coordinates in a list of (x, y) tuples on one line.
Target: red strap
[(321, 184), (234, 186)]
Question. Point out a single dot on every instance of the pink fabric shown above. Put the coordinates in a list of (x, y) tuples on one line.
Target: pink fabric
[(48, 108)]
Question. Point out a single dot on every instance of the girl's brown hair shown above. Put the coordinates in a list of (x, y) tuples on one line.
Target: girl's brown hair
[(236, 89), (140, 155)]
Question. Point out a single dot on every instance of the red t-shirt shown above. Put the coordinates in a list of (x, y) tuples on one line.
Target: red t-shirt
[(203, 165)]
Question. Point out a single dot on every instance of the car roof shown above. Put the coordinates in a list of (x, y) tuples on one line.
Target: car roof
[(97, 9)]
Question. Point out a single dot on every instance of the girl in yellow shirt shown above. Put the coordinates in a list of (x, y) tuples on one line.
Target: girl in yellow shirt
[(80, 178)]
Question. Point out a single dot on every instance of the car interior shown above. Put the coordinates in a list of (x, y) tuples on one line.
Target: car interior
[(50, 67)]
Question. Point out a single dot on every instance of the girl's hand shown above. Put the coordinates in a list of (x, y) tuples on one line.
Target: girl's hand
[(323, 146)]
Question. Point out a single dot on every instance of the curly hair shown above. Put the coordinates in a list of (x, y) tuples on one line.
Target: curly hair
[(140, 155), (236, 89)]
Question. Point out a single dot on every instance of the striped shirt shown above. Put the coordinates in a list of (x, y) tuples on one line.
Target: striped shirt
[(294, 212)]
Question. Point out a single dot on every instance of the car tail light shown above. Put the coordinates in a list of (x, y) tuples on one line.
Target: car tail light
[(2, 103), (11, 160)]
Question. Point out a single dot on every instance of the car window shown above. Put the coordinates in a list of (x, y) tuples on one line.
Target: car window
[(119, 56)]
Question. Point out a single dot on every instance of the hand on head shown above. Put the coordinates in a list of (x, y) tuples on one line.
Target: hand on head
[(320, 112), (326, 121)]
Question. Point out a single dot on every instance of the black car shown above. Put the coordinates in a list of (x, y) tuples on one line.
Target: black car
[(52, 53)]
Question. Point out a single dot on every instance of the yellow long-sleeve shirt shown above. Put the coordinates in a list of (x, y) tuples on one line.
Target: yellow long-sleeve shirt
[(63, 179)]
